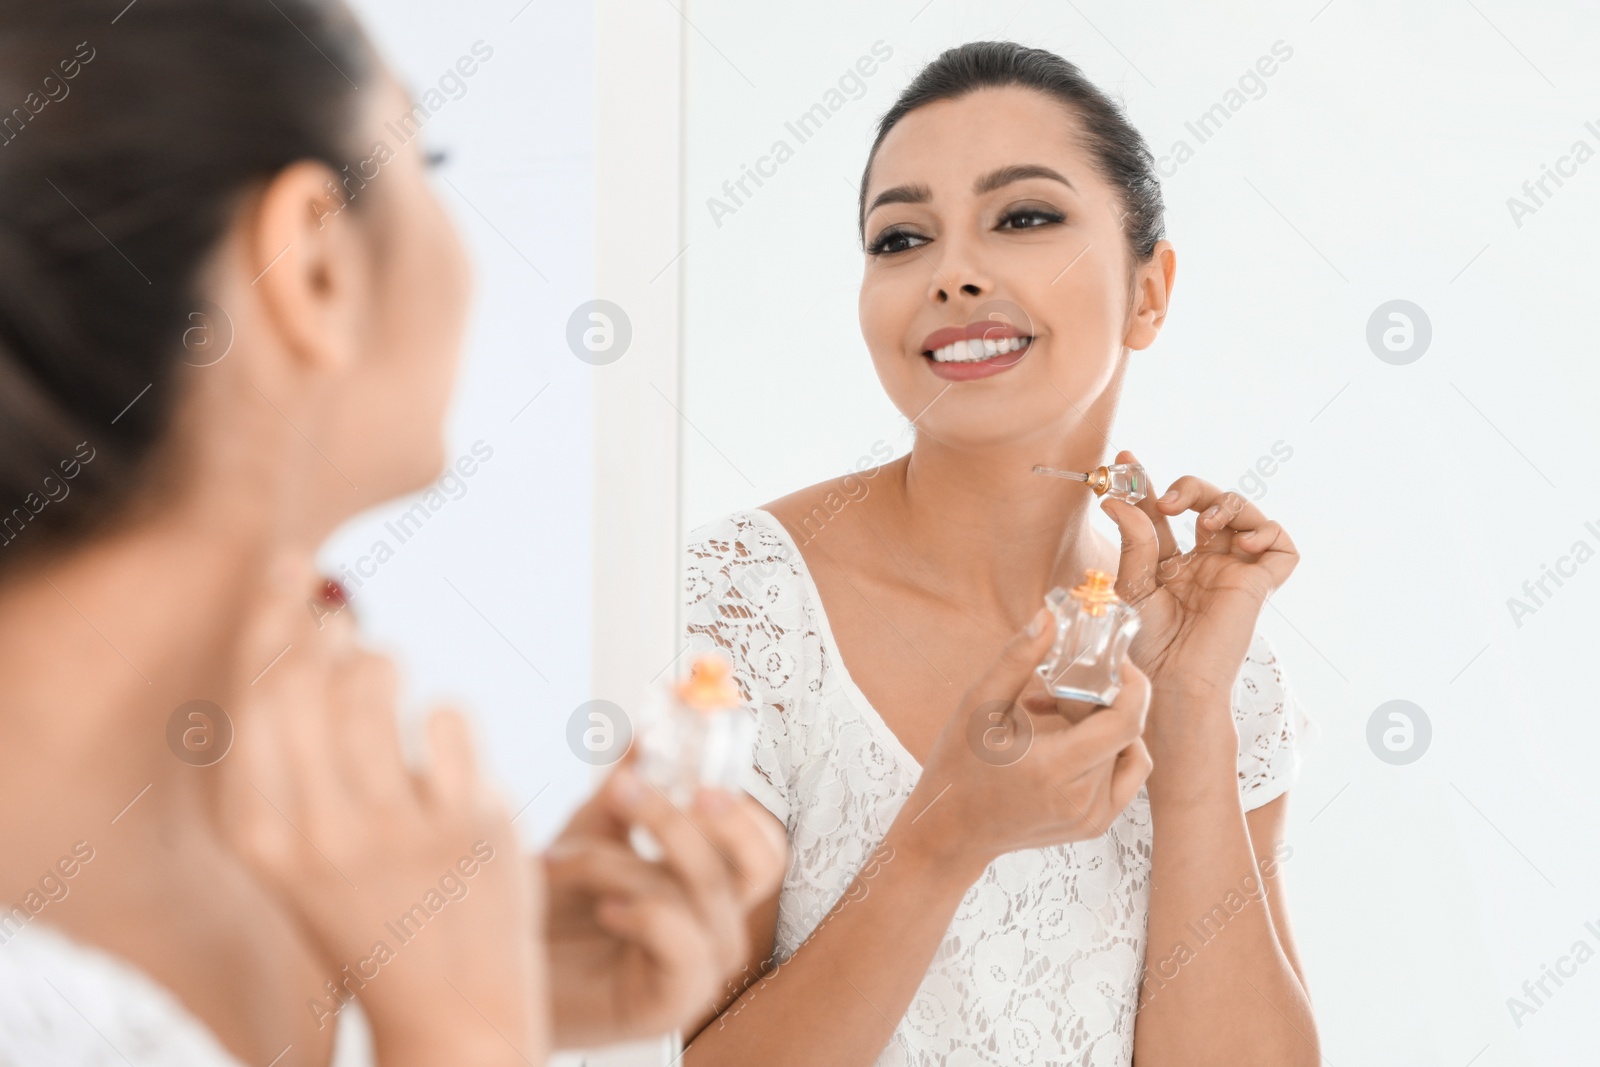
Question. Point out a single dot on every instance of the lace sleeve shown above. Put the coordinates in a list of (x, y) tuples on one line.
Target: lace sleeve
[(69, 1004), (744, 596), (1272, 726)]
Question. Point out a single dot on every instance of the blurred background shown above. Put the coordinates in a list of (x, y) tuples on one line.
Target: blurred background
[(486, 600), (1385, 268)]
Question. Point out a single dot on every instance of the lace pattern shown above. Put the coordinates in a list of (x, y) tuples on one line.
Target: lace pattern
[(1042, 961)]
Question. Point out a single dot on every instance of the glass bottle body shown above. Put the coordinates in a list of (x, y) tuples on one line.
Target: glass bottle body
[(1093, 631), (682, 748)]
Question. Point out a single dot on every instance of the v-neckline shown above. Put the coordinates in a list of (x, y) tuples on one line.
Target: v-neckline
[(830, 648)]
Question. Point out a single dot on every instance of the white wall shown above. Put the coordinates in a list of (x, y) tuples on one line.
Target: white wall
[(493, 602), (489, 603), (1375, 166)]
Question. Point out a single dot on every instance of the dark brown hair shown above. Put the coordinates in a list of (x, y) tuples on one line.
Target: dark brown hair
[(127, 142), (1119, 150)]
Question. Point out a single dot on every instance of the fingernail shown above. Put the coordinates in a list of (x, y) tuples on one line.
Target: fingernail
[(712, 801), (630, 790), (1211, 513), (1169, 496), (1036, 624)]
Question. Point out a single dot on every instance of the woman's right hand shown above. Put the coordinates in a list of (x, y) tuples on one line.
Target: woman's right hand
[(1002, 777)]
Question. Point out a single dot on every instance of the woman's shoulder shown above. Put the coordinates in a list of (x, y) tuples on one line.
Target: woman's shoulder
[(746, 595), (781, 529), (738, 535), (769, 539), (745, 572), (744, 555), (840, 506)]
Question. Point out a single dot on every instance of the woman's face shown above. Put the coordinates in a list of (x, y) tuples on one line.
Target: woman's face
[(391, 419), (986, 218)]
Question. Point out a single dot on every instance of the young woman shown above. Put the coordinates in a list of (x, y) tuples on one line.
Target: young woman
[(939, 909), (216, 345)]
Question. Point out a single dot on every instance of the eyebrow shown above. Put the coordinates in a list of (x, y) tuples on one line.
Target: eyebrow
[(918, 193), (1016, 173)]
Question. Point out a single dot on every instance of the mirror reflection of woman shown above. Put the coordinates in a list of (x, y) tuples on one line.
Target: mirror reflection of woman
[(159, 501), (941, 908)]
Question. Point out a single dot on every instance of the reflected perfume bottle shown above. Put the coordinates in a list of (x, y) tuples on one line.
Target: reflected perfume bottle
[(1093, 629), (697, 733), (1124, 481)]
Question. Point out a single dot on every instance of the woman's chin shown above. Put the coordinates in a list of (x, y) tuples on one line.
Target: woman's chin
[(978, 434), (404, 479)]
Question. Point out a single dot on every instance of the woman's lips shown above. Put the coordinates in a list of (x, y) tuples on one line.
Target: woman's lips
[(971, 370), (956, 353)]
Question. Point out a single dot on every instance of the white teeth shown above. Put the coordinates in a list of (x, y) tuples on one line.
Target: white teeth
[(977, 349)]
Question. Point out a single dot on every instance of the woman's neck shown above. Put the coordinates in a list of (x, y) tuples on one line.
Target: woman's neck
[(989, 530), (99, 646)]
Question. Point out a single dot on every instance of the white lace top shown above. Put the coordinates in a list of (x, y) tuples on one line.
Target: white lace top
[(68, 1004), (1042, 961)]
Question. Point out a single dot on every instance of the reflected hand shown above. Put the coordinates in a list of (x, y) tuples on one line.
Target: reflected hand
[(410, 881)]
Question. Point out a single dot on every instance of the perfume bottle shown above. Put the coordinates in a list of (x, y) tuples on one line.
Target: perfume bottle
[(698, 732), (1093, 629), (1124, 481)]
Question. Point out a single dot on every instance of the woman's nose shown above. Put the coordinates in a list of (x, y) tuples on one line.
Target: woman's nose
[(957, 273), (942, 294)]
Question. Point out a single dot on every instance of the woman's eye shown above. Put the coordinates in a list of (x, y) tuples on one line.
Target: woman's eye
[(892, 241), (1030, 219)]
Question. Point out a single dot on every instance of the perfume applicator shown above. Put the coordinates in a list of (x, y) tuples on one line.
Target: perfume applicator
[(1124, 481)]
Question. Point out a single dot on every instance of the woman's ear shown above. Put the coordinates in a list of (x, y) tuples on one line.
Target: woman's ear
[(1152, 292), (309, 251)]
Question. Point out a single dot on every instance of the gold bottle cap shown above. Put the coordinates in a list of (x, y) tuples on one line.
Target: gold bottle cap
[(710, 686), (1097, 592)]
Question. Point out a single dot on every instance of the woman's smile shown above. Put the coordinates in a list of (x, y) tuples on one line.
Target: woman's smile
[(979, 349)]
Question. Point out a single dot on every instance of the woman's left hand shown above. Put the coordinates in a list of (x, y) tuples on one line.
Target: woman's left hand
[(1197, 609)]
